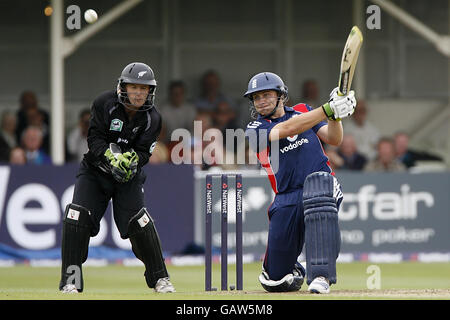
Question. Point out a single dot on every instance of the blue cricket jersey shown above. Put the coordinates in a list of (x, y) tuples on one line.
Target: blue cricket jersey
[(299, 155)]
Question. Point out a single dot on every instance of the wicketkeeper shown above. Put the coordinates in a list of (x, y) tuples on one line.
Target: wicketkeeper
[(123, 130), (308, 195)]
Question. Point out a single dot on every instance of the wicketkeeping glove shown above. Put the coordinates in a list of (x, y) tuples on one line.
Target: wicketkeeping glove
[(133, 160), (120, 165), (339, 107)]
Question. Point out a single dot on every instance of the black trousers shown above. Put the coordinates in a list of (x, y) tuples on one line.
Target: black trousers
[(94, 189)]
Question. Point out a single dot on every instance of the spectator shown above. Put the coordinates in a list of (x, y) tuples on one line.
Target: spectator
[(28, 101), (210, 149), (352, 159), (7, 134), (386, 160), (77, 138), (35, 118), (202, 122), (224, 117), (205, 120), (243, 116), (17, 156), (211, 94), (365, 133), (310, 93), (408, 156), (32, 143), (176, 112), (335, 161)]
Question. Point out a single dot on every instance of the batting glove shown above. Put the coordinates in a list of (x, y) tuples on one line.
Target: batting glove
[(339, 107)]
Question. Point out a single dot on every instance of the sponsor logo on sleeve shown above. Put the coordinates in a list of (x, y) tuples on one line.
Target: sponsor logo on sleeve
[(73, 214), (144, 220)]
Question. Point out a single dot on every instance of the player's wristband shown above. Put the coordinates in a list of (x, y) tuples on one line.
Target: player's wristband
[(328, 112)]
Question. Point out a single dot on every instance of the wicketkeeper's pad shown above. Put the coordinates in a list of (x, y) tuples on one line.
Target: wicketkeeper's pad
[(146, 245)]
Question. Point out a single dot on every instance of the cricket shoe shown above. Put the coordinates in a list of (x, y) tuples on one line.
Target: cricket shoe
[(299, 269), (164, 285), (69, 288), (319, 285)]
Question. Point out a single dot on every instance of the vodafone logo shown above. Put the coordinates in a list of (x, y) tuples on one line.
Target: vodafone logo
[(294, 145), (292, 138)]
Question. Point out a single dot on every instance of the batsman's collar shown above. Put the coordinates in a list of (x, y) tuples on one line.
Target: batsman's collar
[(286, 109)]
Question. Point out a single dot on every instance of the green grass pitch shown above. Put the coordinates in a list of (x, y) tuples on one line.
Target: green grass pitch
[(409, 280)]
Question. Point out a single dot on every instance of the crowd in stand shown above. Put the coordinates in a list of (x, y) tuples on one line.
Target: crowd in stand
[(24, 134), (364, 148)]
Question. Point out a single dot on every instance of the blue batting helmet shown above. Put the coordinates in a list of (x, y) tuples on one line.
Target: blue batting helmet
[(266, 81)]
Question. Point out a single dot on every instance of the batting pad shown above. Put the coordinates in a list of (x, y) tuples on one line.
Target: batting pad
[(322, 238), (146, 246)]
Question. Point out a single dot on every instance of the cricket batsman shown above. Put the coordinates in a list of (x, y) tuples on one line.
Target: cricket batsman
[(307, 195), (123, 130)]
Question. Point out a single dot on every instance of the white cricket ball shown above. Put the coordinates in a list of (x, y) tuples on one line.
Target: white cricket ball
[(90, 16)]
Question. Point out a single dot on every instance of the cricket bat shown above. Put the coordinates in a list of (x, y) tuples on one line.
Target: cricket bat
[(349, 59)]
